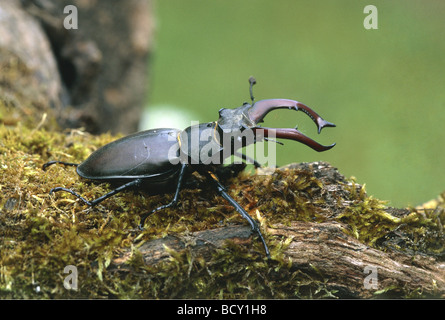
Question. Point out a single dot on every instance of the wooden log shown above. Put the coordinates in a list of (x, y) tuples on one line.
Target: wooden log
[(348, 266), (328, 249)]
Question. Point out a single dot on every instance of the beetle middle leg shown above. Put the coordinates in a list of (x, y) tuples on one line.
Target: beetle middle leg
[(172, 203)]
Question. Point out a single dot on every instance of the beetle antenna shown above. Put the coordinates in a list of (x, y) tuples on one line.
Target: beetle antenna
[(252, 81)]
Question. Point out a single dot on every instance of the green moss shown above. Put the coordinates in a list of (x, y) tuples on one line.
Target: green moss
[(224, 276), (366, 217), (42, 234), (416, 231)]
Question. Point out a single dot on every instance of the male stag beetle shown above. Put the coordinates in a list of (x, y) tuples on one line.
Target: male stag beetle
[(157, 159)]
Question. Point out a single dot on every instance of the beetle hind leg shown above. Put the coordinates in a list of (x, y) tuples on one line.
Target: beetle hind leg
[(72, 192), (130, 184), (50, 163)]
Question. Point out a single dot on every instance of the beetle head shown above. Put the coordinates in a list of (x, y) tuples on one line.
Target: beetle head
[(249, 116)]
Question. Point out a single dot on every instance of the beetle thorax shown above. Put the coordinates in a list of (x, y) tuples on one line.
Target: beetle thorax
[(233, 120), (208, 143)]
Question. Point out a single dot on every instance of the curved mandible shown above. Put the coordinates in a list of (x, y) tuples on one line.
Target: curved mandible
[(260, 109), (291, 134)]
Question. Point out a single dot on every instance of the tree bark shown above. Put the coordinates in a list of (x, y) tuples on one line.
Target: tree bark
[(347, 264), (30, 83), (326, 248), (81, 76)]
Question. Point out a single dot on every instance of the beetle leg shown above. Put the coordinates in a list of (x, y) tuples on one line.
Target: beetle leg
[(222, 191), (182, 173), (50, 163), (102, 198), (247, 159), (72, 192)]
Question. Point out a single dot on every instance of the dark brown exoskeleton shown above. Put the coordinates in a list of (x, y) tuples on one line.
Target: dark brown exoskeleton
[(160, 160)]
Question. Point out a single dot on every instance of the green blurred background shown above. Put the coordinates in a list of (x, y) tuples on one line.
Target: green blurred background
[(384, 88)]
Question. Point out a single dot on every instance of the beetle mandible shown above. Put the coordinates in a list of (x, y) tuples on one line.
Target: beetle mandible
[(157, 159)]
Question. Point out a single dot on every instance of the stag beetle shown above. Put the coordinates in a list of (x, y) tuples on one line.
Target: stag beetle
[(157, 159)]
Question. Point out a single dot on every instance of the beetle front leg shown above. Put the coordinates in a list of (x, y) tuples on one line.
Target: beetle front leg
[(222, 191), (247, 159)]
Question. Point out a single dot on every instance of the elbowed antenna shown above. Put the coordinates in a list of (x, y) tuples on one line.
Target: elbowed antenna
[(252, 82)]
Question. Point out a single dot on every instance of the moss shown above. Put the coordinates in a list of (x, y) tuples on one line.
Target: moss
[(224, 276), (366, 217), (42, 234), (418, 230)]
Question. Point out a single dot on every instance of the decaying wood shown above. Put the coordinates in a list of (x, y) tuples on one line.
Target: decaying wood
[(202, 242), (347, 265), (340, 259), (99, 72)]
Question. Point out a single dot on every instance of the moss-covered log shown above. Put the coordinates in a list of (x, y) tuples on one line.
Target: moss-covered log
[(327, 237), (345, 264)]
